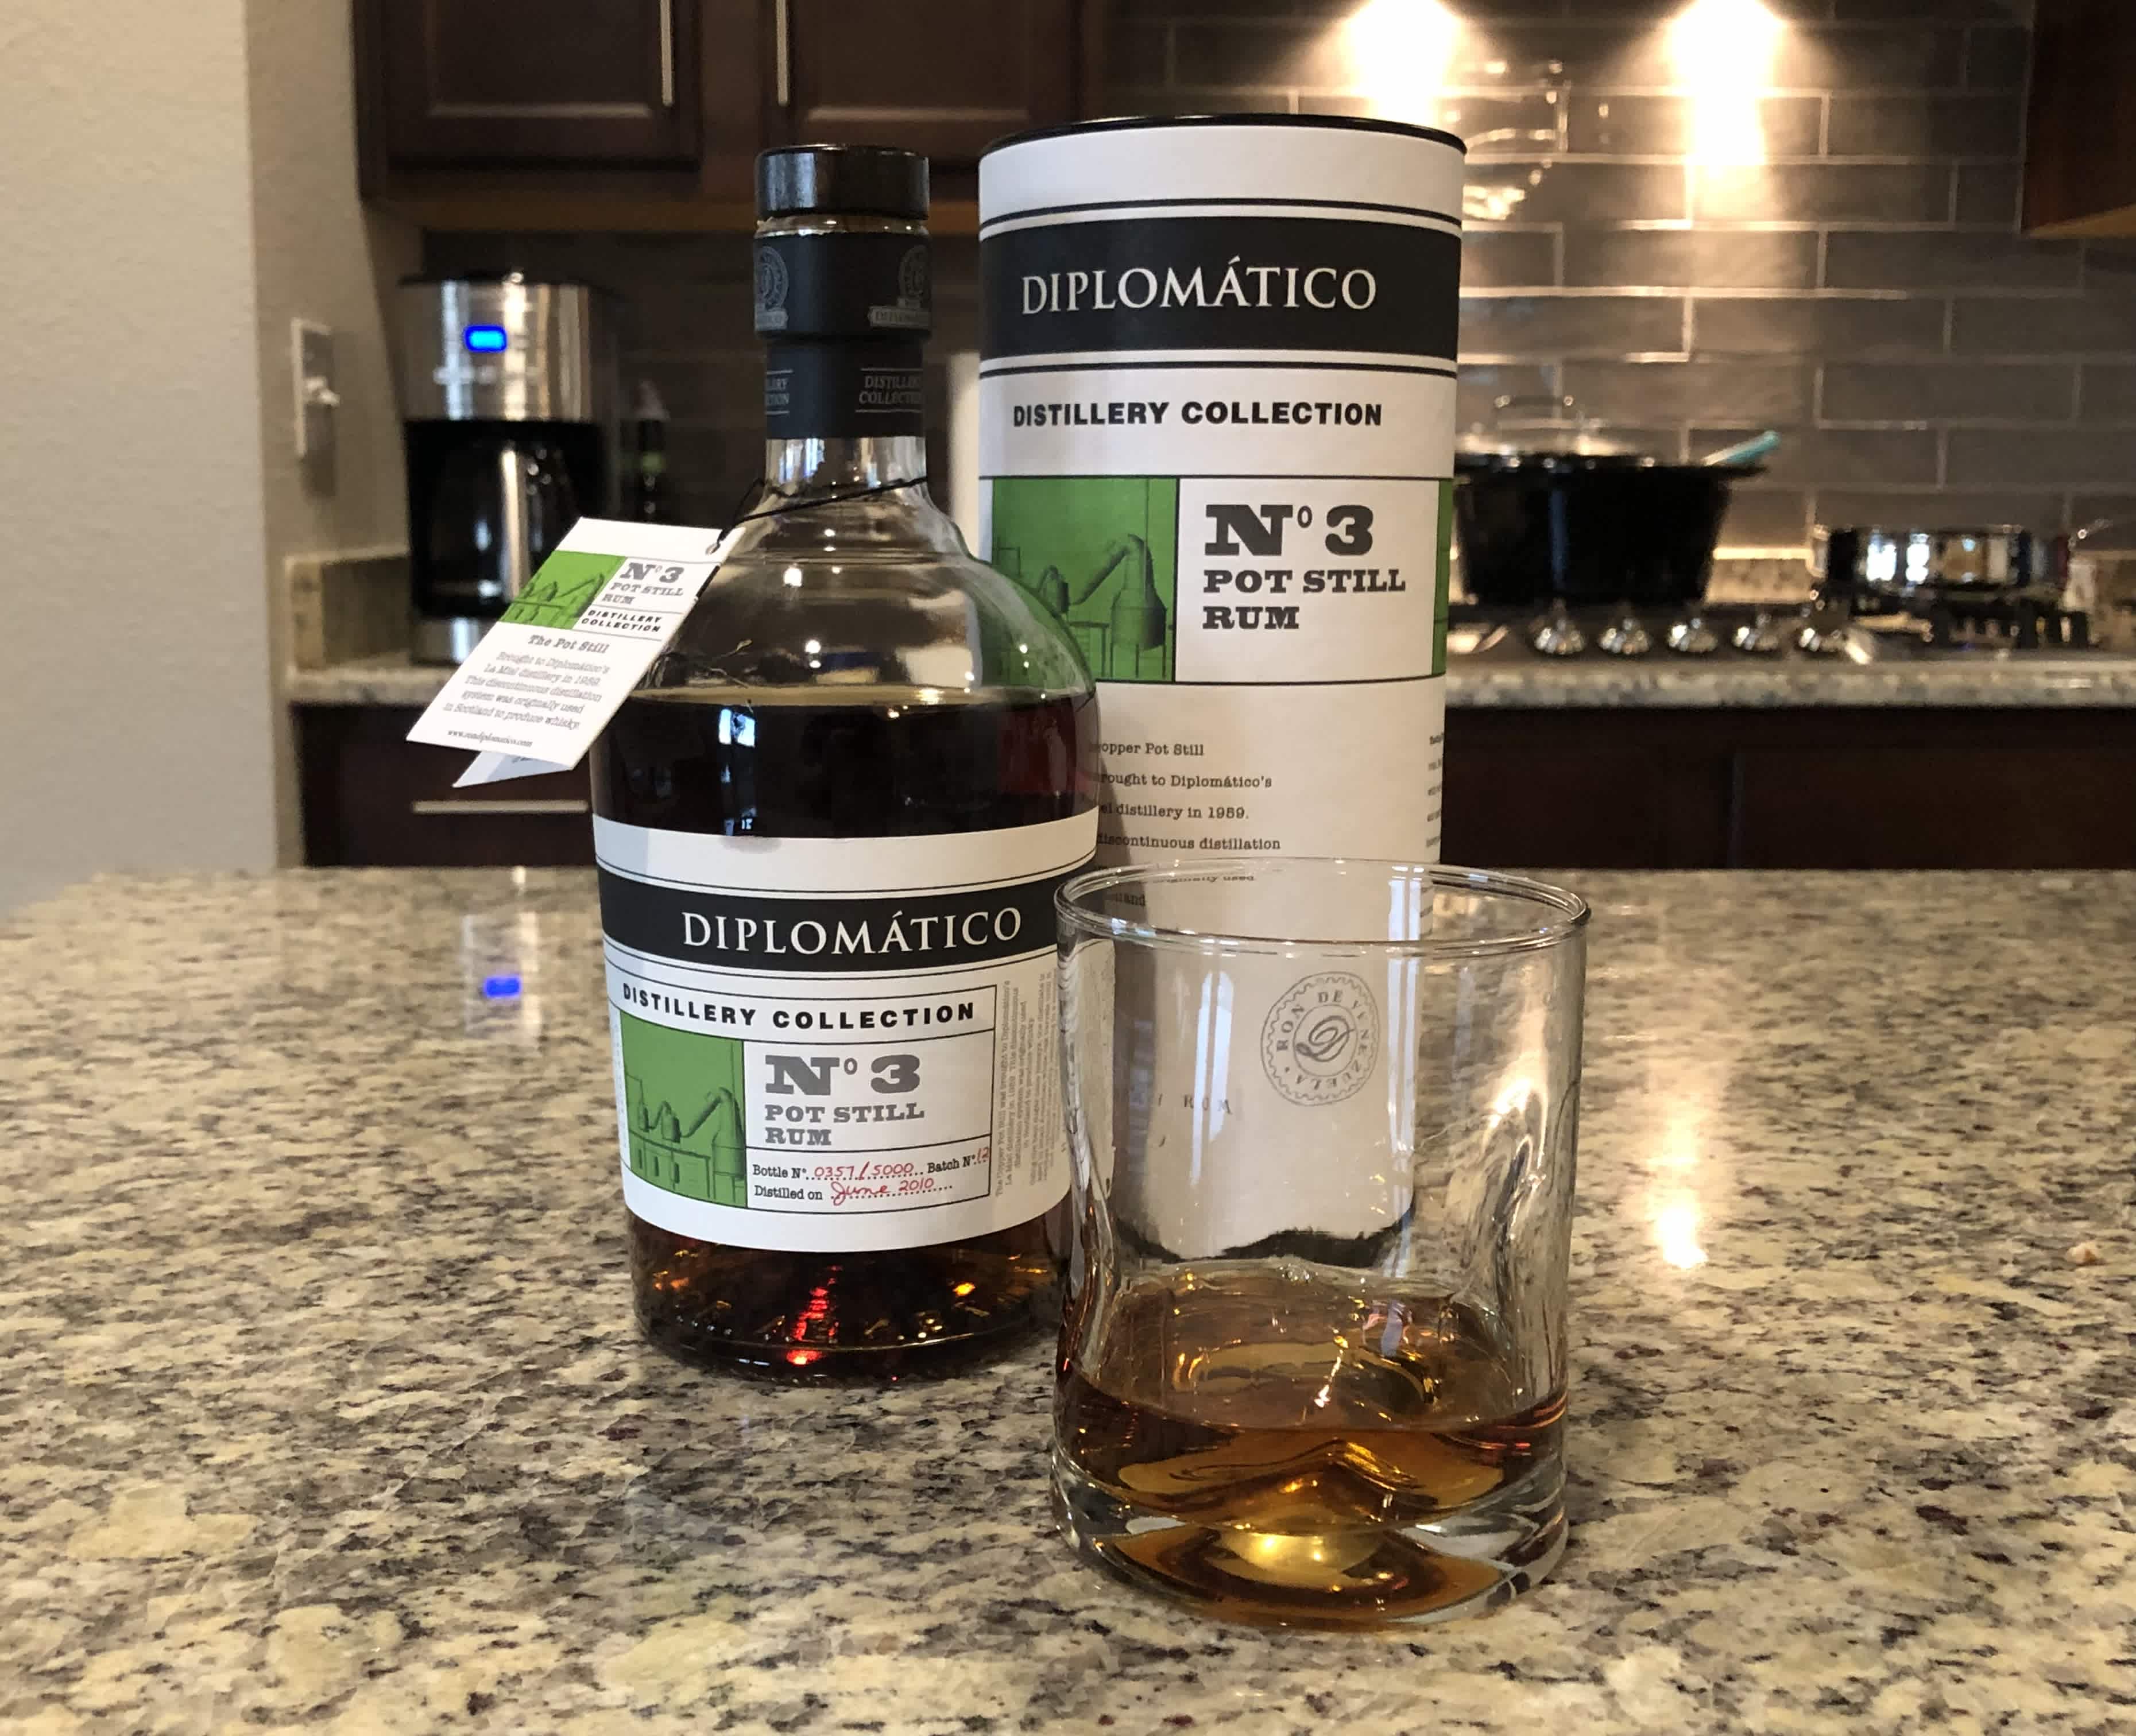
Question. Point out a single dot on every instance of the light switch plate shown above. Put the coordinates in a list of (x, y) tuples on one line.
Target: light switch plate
[(311, 366)]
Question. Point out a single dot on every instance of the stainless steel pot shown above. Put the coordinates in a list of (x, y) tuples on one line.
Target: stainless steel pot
[(1879, 563)]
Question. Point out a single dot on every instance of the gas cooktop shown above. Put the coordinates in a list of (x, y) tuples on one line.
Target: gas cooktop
[(1753, 633)]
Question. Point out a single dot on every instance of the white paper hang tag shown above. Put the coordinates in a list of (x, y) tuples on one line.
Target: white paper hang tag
[(498, 768), (543, 682)]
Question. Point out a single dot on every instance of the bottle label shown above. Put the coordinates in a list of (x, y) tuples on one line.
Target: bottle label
[(842, 284), (844, 391), (837, 1045), (845, 312), (1217, 409)]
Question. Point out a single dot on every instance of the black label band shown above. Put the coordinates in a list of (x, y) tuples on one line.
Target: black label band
[(844, 391), (842, 285), (1221, 284), (740, 931)]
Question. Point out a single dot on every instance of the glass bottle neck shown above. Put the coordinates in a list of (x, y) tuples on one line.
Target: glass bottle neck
[(797, 468)]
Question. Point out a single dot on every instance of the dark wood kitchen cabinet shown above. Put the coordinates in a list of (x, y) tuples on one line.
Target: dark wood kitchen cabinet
[(1809, 788), (648, 114), (1892, 787), (510, 83), (947, 77), (373, 798), (2080, 119)]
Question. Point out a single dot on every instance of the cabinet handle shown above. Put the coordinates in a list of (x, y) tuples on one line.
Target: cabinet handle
[(520, 805), (666, 54), (782, 49)]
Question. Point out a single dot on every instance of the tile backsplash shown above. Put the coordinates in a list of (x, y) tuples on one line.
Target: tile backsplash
[(1699, 221)]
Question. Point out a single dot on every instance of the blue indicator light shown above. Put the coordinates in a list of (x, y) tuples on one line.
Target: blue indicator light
[(500, 988), (484, 340)]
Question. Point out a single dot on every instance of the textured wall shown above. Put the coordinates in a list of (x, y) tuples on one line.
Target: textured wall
[(1861, 285), (1702, 230), (319, 256), (134, 665), (682, 307)]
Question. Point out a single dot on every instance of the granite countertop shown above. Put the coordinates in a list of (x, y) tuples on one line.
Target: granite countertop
[(1659, 681), (325, 1410)]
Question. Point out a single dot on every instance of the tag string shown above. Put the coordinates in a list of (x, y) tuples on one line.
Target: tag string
[(819, 500)]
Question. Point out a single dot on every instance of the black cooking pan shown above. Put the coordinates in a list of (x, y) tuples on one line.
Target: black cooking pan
[(1561, 515)]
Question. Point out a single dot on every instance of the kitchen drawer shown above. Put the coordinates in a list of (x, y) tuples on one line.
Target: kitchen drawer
[(373, 799)]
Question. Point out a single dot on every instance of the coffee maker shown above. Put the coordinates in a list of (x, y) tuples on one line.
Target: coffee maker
[(506, 390)]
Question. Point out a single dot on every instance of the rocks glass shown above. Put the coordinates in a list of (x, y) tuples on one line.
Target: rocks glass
[(1322, 1115)]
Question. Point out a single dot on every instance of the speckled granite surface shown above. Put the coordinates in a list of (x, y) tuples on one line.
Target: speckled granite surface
[(323, 1410), (1687, 683), (1658, 680)]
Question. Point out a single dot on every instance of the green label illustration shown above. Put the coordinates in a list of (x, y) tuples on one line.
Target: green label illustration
[(561, 588), (683, 1104), (1099, 551)]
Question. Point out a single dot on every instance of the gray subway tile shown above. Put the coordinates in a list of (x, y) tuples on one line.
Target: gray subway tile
[(2109, 268), (1320, 55), (1507, 259), (1219, 10), (1947, 260), (1765, 518), (1985, 326), (1969, 124), (1714, 392), (1822, 192), (1647, 125), (1896, 57), (2041, 457), (1478, 387), (709, 467), (1997, 54), (1947, 391), (1988, 193), (1933, 11), (2106, 393), (1516, 53), (1929, 508), (713, 391), (1807, 456), (1524, 124), (1584, 325), (685, 315), (1705, 259), (2113, 514), (1816, 326), (1664, 11), (1581, 48), (1517, 11), (1198, 99), (1139, 54), (1587, 193)]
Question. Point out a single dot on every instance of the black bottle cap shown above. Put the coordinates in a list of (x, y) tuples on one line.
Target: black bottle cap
[(851, 180)]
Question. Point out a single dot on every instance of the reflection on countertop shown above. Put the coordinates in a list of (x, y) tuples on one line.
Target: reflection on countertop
[(325, 1405)]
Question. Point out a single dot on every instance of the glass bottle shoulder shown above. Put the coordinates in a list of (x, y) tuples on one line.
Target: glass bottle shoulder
[(866, 592)]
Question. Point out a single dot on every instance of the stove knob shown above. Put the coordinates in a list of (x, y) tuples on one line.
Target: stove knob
[(1557, 634), (1691, 638), (1761, 636), (1626, 637), (1821, 636)]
